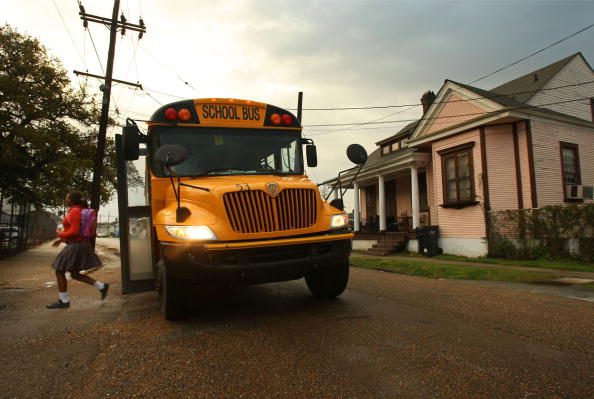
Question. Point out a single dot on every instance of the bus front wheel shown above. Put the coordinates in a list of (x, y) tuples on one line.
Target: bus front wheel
[(330, 281), (173, 294)]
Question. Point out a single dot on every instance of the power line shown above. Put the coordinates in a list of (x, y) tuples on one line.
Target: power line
[(165, 94), (153, 98), (444, 102), (533, 54), (450, 116), (168, 68), (96, 52), (68, 31)]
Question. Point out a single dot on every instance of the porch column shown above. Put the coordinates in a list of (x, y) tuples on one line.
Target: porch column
[(356, 211), (335, 193), (414, 184), (382, 203)]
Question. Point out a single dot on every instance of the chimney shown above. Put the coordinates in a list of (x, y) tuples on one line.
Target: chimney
[(427, 99)]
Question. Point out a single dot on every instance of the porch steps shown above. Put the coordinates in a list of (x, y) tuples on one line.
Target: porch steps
[(388, 244)]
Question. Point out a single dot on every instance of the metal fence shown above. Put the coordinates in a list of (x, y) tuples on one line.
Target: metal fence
[(22, 227)]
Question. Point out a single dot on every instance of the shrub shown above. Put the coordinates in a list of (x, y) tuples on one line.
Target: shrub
[(546, 232)]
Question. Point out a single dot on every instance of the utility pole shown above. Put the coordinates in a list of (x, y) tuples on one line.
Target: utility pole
[(113, 25)]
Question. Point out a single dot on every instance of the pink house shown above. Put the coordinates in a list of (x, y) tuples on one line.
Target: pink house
[(525, 144)]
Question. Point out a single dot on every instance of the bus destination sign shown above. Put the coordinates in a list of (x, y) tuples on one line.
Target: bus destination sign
[(236, 112)]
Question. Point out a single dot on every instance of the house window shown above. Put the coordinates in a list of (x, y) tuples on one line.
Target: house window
[(385, 149), (395, 146), (457, 175), (570, 165)]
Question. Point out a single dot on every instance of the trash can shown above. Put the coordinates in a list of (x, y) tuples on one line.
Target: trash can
[(427, 237)]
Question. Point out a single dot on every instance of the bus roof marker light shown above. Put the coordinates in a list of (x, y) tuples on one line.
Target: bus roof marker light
[(184, 114), (275, 119), (287, 120), (170, 114)]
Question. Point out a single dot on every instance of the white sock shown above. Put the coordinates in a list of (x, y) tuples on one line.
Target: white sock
[(99, 285), (64, 297)]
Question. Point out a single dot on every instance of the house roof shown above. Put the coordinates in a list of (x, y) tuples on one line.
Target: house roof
[(404, 132), (525, 87), (513, 102)]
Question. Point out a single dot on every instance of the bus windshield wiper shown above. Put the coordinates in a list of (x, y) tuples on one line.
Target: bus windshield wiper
[(209, 171), (270, 171)]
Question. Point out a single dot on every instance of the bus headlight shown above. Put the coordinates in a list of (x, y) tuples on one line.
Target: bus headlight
[(203, 233), (339, 221)]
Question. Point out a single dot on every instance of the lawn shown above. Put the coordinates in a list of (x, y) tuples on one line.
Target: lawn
[(449, 271), (539, 263)]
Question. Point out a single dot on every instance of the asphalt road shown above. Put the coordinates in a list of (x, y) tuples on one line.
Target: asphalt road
[(388, 336)]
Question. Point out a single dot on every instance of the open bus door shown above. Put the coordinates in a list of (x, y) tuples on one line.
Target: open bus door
[(136, 249)]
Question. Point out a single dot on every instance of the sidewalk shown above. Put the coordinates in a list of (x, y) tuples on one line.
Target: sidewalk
[(561, 273), (31, 269)]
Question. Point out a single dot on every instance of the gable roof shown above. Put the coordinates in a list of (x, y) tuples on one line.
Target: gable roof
[(525, 87)]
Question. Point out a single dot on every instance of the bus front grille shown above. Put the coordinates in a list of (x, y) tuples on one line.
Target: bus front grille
[(254, 211)]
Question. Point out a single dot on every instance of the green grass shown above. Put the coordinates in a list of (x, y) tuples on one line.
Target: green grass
[(449, 271), (539, 263)]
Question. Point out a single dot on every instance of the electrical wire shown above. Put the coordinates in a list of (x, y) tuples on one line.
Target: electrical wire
[(165, 94), (444, 102), (153, 98), (68, 31), (96, 52), (450, 116), (533, 54), (168, 68)]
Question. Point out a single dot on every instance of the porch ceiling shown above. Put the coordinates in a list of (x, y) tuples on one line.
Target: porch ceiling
[(395, 166)]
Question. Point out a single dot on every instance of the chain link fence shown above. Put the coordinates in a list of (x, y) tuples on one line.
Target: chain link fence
[(22, 226)]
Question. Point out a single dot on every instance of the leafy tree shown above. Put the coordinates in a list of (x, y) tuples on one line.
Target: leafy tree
[(48, 131)]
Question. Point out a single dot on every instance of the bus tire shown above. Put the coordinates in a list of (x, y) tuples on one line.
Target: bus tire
[(328, 282), (173, 294)]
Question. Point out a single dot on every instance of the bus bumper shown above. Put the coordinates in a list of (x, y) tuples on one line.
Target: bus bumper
[(254, 264)]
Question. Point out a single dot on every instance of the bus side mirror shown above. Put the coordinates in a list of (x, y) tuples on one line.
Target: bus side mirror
[(131, 142), (357, 154), (312, 155)]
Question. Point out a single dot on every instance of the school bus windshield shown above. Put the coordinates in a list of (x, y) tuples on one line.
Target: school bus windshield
[(230, 151)]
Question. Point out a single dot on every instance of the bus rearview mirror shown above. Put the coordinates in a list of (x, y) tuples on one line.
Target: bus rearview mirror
[(312, 155), (131, 142)]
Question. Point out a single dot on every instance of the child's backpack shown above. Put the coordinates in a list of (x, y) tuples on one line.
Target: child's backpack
[(88, 222)]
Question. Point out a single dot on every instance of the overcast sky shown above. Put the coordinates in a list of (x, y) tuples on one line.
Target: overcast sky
[(339, 53)]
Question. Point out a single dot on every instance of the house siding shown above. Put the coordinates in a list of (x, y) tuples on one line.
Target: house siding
[(503, 190), (576, 71), (468, 222), (431, 194), (524, 164), (546, 137), (453, 113)]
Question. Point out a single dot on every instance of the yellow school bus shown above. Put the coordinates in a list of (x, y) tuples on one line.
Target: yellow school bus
[(229, 201)]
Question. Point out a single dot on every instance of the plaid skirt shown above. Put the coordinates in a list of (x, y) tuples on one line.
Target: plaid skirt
[(77, 255)]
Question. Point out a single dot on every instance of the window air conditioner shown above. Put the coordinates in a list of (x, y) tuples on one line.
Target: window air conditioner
[(574, 191)]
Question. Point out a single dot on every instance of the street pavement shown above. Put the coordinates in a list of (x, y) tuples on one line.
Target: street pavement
[(387, 336)]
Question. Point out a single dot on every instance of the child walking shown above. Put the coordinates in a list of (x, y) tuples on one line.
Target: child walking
[(76, 256)]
